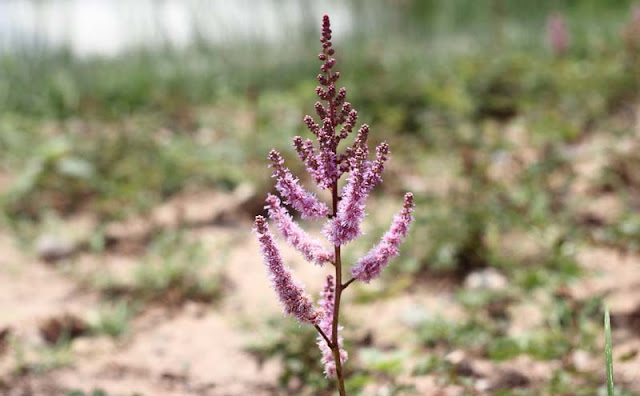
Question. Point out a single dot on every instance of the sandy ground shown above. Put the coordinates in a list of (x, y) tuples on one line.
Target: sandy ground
[(200, 349)]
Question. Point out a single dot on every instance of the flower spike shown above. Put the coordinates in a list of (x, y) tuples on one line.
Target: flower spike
[(294, 299), (289, 186), (310, 248), (372, 264)]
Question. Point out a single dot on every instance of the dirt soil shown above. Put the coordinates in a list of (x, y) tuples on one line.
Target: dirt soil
[(200, 349)]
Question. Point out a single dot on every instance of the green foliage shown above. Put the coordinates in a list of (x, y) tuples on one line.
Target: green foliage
[(619, 177), (568, 326), (302, 372), (431, 88), (468, 226), (95, 392), (53, 357), (294, 346), (541, 344), (608, 353), (470, 334), (380, 367), (174, 270), (112, 319), (115, 173), (41, 358)]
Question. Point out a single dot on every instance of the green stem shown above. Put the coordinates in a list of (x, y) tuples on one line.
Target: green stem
[(608, 352)]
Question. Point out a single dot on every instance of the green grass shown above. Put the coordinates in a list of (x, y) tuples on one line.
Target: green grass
[(173, 270), (119, 135), (112, 319), (41, 358), (608, 353), (289, 343), (95, 392)]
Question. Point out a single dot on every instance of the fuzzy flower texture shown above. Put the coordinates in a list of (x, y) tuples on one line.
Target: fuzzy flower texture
[(326, 162)]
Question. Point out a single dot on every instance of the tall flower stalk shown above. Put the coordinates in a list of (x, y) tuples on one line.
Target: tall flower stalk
[(558, 36), (326, 164)]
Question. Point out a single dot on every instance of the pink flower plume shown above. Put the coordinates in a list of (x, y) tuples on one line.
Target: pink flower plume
[(294, 299), (372, 264), (311, 249)]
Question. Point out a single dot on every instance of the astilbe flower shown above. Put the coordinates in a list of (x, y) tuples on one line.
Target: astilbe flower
[(345, 225), (631, 32), (293, 298), (558, 37), (325, 163), (326, 303), (288, 185), (311, 249), (365, 175), (371, 265)]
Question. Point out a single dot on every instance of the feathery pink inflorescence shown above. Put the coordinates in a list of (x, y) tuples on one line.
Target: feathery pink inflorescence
[(635, 16), (336, 120), (364, 176), (327, 163), (294, 299), (359, 142), (374, 174), (310, 248), (307, 154), (372, 264), (558, 37), (345, 225), (293, 193), (631, 31), (326, 303)]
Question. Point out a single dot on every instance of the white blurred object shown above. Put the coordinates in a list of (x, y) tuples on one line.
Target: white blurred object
[(487, 278), (111, 27)]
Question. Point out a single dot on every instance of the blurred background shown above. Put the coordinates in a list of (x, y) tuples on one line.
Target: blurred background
[(133, 144)]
